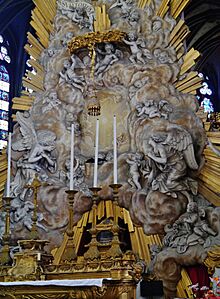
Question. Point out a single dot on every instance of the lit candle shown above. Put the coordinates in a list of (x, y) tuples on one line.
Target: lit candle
[(115, 150), (9, 166), (96, 154), (72, 157)]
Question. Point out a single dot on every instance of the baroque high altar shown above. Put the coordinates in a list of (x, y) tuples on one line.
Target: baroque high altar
[(99, 59)]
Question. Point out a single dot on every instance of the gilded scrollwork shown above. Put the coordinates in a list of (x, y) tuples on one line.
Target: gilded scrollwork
[(90, 39)]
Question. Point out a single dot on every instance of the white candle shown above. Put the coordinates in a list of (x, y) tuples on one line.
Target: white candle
[(115, 150), (96, 154), (9, 166), (38, 256), (72, 157)]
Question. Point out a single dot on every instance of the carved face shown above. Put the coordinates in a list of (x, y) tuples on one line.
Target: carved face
[(131, 36), (66, 64), (53, 96), (138, 84), (192, 207), (109, 48), (50, 52), (163, 57), (134, 16)]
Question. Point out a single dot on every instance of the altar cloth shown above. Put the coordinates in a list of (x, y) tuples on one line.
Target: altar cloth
[(64, 283)]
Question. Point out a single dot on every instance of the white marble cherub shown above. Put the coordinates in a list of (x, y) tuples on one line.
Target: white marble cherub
[(134, 161), (149, 109), (136, 52), (110, 57), (69, 75), (50, 102)]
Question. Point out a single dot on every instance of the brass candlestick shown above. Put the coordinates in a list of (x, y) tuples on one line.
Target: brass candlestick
[(115, 250), (5, 258), (70, 252), (35, 185), (93, 252)]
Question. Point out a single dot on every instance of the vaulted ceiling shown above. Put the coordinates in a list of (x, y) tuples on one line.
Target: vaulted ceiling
[(202, 17)]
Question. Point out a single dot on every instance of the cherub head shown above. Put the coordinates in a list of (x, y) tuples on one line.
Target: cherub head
[(163, 57), (157, 25), (109, 48), (53, 96), (138, 84), (132, 36), (192, 207), (134, 16), (50, 51), (66, 64)]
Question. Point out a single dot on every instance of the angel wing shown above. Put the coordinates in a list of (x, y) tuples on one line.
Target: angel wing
[(27, 131), (181, 140)]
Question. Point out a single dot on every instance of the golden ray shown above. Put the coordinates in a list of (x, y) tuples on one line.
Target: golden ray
[(177, 7), (143, 3), (164, 7), (42, 21), (102, 21), (3, 173), (189, 60)]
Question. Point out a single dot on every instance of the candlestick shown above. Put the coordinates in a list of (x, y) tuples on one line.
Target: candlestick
[(96, 154), (5, 258), (115, 250), (115, 150), (71, 156), (69, 253), (9, 166)]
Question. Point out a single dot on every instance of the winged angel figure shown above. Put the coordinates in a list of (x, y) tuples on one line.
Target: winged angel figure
[(37, 157), (172, 153)]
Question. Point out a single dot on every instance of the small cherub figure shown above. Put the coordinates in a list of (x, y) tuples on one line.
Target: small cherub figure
[(51, 101), (162, 56), (149, 108), (136, 52), (134, 161), (69, 75), (165, 108), (110, 57)]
